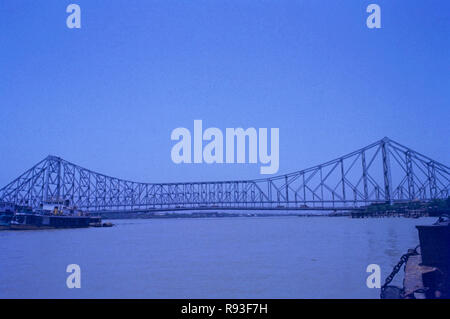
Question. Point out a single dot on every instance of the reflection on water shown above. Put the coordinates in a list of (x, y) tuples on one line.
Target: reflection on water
[(271, 257), (392, 248)]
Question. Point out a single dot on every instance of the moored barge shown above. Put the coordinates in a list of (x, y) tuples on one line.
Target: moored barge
[(50, 215), (25, 221)]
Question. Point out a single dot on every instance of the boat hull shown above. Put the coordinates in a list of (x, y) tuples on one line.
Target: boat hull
[(34, 221)]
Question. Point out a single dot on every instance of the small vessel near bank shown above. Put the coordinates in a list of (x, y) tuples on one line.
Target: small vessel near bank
[(50, 215)]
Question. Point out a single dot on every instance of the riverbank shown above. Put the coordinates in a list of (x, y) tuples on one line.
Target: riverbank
[(194, 214)]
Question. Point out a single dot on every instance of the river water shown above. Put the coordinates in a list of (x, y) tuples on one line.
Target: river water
[(259, 257)]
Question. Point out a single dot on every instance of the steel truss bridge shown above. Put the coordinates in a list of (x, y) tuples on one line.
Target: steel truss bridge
[(385, 171)]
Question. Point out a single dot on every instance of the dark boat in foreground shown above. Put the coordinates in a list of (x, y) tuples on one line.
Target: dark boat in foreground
[(427, 267)]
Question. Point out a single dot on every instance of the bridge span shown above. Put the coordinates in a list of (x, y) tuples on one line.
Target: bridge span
[(384, 171)]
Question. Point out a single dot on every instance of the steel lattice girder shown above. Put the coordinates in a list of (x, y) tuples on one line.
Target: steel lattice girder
[(384, 171)]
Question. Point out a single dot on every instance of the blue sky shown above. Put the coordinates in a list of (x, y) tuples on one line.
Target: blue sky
[(107, 96)]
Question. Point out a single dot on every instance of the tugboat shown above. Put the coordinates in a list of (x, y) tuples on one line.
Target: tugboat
[(56, 214)]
